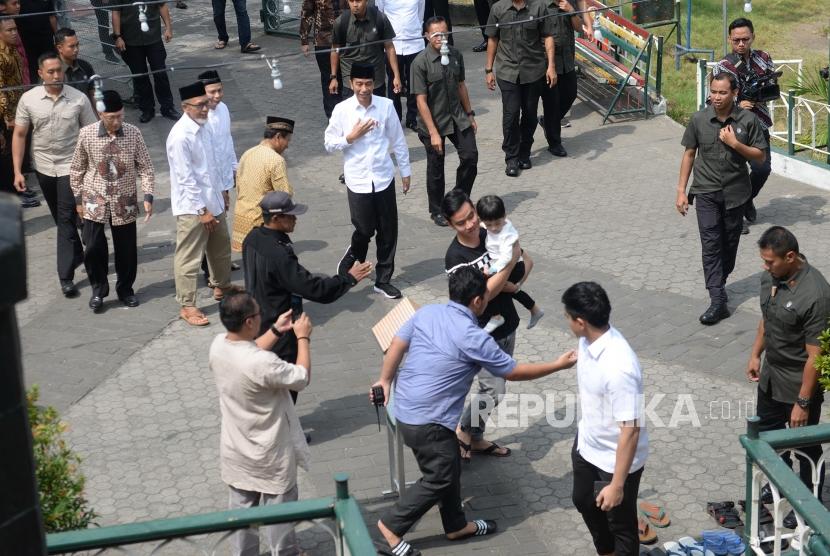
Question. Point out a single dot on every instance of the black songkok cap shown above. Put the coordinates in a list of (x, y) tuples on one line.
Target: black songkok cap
[(362, 71), (112, 101), (209, 77), (280, 124), (192, 91)]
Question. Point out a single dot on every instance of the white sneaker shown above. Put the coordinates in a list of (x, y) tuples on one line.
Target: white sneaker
[(534, 319), (494, 322)]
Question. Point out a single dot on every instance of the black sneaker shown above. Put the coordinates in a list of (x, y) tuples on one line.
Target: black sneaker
[(439, 220), (481, 47), (766, 495), (388, 290), (28, 202), (751, 212), (790, 522), (346, 262), (744, 228), (714, 314)]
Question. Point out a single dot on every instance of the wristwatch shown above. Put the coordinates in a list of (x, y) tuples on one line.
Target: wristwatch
[(488, 70), (803, 403), (275, 331), (201, 211), (471, 113), (115, 36), (332, 76)]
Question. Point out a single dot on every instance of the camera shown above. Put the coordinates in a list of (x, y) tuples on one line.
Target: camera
[(760, 88)]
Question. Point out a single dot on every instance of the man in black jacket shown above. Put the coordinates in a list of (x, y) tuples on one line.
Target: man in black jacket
[(275, 277)]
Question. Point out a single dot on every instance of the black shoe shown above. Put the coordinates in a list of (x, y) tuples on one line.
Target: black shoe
[(564, 122), (29, 194), (96, 303), (146, 116), (480, 47), (439, 220), (171, 114), (235, 266), (714, 314), (512, 169), (790, 522), (342, 178), (128, 300), (413, 125), (525, 164), (388, 290), (557, 150), (68, 289), (751, 213), (346, 262), (28, 202), (744, 228), (766, 495)]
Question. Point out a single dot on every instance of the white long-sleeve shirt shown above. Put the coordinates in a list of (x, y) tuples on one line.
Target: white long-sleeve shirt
[(406, 17), (191, 188), (500, 246), (367, 160), (221, 146)]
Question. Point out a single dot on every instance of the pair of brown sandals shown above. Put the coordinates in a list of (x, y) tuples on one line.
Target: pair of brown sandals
[(247, 49)]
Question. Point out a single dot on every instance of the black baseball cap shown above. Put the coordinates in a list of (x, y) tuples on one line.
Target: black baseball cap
[(280, 202)]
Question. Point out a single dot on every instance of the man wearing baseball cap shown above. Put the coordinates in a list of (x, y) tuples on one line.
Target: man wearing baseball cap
[(275, 277)]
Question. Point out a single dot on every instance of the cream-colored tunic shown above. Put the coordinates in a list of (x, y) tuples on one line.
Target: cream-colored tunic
[(261, 441)]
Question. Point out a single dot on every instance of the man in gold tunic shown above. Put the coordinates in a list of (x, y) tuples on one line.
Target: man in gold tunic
[(261, 170)]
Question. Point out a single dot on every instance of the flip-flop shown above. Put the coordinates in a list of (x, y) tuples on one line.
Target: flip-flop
[(725, 514), (673, 549), (655, 514), (491, 451), (483, 527), (764, 515), (647, 536), (403, 548), (194, 318), (693, 548), (219, 45), (251, 48)]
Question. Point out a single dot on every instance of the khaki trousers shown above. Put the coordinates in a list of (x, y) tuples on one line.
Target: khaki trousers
[(193, 241), (280, 538)]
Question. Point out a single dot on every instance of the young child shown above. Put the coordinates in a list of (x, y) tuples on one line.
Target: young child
[(501, 236)]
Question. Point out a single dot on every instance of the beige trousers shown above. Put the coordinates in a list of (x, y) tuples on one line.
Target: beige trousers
[(280, 539), (193, 241)]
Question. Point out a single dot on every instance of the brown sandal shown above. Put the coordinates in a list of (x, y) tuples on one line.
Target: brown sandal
[(491, 451), (251, 48), (193, 316), (219, 45)]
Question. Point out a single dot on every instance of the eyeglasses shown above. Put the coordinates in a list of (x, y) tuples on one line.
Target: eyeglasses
[(740, 40)]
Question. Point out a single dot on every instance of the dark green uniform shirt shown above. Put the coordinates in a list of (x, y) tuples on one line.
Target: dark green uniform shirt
[(374, 27), (440, 85), (131, 25), (564, 37), (795, 313), (520, 57), (718, 167)]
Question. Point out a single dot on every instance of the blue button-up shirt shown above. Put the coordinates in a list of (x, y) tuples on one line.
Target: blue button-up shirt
[(446, 349)]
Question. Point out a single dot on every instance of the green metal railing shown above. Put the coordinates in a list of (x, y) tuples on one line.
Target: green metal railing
[(763, 461), (350, 534)]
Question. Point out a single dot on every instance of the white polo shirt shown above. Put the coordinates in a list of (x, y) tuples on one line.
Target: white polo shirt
[(610, 391)]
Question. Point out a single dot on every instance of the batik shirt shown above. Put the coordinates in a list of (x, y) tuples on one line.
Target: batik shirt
[(11, 75), (760, 63)]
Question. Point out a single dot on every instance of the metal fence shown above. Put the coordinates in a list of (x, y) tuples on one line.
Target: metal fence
[(764, 464), (207, 534)]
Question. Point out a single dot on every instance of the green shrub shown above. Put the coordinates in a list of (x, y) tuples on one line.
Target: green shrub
[(59, 480), (822, 362)]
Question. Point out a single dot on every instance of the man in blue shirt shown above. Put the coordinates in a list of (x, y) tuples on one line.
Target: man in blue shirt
[(446, 348)]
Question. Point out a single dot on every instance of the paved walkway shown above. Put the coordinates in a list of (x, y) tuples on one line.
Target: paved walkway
[(135, 388)]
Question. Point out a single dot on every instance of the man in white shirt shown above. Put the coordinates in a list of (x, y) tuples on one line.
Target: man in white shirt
[(197, 205), (611, 445), (261, 442), (406, 17), (221, 145), (365, 127)]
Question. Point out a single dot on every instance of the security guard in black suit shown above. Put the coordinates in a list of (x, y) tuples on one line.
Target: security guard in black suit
[(275, 277)]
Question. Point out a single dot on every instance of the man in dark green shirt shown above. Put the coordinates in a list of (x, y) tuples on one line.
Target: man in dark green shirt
[(795, 307), (444, 111), (524, 57), (719, 141)]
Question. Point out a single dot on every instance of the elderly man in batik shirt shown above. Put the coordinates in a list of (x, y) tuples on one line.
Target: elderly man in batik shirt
[(109, 157), (11, 75), (261, 170)]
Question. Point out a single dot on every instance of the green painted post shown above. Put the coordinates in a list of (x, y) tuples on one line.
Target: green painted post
[(790, 112), (702, 70), (659, 68), (341, 481), (752, 425)]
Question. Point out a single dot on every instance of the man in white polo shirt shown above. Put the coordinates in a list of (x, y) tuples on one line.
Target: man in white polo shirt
[(611, 445)]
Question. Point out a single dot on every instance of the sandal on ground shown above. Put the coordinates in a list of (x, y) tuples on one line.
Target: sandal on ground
[(466, 449), (764, 515), (693, 548), (656, 515), (491, 451), (647, 535), (193, 316), (673, 548), (219, 45), (403, 548), (251, 47), (483, 527), (725, 516)]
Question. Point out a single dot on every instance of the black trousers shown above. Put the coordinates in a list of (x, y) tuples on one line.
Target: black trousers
[(760, 171), (102, 17), (137, 58), (442, 8), (775, 415), (404, 65), (371, 213), (482, 8), (556, 102), (519, 102), (324, 65), (521, 296), (436, 450), (465, 175), (6, 165), (61, 203), (720, 232), (96, 257), (614, 531)]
